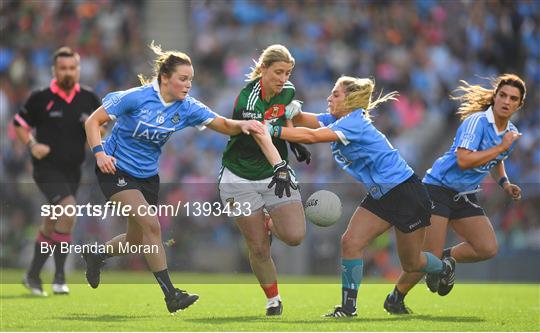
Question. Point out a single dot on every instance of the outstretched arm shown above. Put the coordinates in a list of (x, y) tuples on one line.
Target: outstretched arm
[(235, 127), (303, 134), (293, 111), (306, 119)]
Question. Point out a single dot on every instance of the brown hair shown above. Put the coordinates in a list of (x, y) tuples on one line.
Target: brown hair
[(358, 93), (270, 55), (165, 63), (476, 98), (65, 51)]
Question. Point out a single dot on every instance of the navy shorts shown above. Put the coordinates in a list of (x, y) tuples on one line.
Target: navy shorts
[(120, 181), (446, 203), (55, 183), (407, 206)]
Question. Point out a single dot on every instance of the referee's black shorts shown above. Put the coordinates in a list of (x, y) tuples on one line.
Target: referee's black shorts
[(407, 206), (447, 203), (57, 183), (120, 181)]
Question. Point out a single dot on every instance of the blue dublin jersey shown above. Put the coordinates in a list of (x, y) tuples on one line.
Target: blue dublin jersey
[(144, 122), (365, 153), (477, 132)]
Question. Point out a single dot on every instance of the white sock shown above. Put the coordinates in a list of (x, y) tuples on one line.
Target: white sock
[(273, 300)]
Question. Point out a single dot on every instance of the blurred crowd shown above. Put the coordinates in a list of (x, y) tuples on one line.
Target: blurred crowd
[(420, 48)]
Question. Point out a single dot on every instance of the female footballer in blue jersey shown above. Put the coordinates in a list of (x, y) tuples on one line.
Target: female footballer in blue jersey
[(482, 143), (396, 195), (127, 163)]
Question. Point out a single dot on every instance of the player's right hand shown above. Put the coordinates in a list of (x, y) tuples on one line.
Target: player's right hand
[(509, 138), (283, 180), (40, 150), (105, 163), (252, 126), (293, 109)]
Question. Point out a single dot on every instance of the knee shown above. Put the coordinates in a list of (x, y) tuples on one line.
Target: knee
[(351, 246), (65, 223), (47, 229), (487, 251), (151, 228), (294, 238)]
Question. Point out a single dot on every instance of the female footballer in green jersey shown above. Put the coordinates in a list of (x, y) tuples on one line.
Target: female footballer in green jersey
[(247, 176)]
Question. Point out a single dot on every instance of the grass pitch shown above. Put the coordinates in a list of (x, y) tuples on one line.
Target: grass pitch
[(132, 302)]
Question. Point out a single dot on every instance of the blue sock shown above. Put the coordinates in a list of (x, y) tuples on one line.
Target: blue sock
[(351, 276), (433, 265)]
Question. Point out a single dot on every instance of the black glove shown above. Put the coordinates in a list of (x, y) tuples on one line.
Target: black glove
[(282, 179), (301, 152)]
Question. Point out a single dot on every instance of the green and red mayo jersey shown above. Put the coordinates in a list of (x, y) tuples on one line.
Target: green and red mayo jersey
[(243, 156)]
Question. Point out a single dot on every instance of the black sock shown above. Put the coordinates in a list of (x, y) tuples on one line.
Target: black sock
[(446, 252), (348, 299), (59, 262), (164, 282), (39, 259), (398, 295)]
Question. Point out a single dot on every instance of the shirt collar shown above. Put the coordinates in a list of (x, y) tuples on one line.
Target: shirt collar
[(155, 85), (491, 118), (62, 94), (263, 92)]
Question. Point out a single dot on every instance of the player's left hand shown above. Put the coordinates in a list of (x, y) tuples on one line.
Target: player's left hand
[(301, 152), (283, 180), (252, 126), (513, 191), (293, 109)]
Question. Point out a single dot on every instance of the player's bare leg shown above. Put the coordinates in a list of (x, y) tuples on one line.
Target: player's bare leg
[(434, 243), (364, 226), (142, 230), (480, 242), (288, 223), (256, 237)]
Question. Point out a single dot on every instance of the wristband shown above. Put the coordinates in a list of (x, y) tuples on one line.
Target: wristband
[(277, 132), (97, 149), (502, 181)]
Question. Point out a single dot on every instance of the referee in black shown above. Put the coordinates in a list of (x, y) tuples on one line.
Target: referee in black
[(57, 113)]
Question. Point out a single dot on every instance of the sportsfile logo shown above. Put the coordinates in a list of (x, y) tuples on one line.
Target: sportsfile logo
[(115, 209), (153, 133)]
